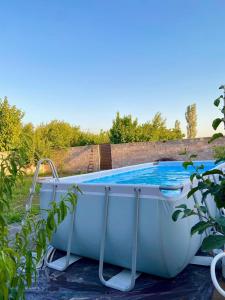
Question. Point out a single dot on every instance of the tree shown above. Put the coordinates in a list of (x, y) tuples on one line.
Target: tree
[(27, 141), (41, 143), (89, 138), (159, 130), (177, 125), (191, 118), (124, 130), (10, 125), (153, 130), (156, 130), (158, 122), (58, 134), (177, 130)]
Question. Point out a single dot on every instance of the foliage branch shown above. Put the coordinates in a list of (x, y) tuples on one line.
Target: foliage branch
[(18, 264), (204, 183)]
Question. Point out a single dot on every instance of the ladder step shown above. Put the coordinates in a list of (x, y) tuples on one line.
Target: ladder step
[(60, 263), (122, 280), (201, 260)]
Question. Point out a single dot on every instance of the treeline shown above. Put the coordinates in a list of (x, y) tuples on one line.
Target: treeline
[(127, 130), (55, 135)]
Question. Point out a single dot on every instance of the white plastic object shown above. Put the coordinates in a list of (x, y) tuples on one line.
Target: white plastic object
[(121, 281), (63, 262), (201, 260), (213, 273)]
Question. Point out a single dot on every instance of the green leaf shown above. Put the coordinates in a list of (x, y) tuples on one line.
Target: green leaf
[(215, 136), (51, 222), (175, 215), (192, 191), (201, 167), (219, 160), (187, 163), (221, 221), (188, 212), (217, 101), (63, 210), (212, 172), (203, 209), (184, 206), (213, 242), (200, 227), (223, 110), (216, 123), (192, 177)]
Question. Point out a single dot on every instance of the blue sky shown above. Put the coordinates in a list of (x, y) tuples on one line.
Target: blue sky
[(83, 60)]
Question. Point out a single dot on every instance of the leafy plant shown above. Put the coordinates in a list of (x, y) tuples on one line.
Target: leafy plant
[(203, 183), (219, 152), (17, 260), (10, 125)]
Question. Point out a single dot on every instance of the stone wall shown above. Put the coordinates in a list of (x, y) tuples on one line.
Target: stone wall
[(135, 153), (87, 158), (77, 159)]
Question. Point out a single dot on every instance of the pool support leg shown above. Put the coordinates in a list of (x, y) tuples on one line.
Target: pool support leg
[(125, 280), (64, 262)]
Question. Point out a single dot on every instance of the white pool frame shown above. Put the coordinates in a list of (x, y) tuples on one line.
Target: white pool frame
[(127, 225)]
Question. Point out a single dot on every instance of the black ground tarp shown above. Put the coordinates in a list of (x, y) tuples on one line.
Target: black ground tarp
[(80, 281)]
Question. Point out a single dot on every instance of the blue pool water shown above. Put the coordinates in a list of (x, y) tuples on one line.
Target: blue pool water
[(164, 173)]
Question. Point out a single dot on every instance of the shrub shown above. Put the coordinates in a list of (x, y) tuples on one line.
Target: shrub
[(17, 262), (219, 152), (10, 125)]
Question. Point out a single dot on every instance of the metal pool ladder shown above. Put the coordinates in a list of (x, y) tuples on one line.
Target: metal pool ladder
[(62, 263), (125, 280), (35, 180)]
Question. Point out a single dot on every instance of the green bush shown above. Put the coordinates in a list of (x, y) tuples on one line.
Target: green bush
[(10, 125), (18, 265), (219, 152)]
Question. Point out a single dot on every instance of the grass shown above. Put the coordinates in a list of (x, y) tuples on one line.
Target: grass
[(20, 196)]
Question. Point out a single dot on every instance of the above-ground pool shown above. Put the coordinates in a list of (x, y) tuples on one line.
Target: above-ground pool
[(163, 173), (113, 202)]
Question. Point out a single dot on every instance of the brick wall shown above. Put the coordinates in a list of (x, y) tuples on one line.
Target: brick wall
[(135, 153), (87, 158), (78, 159)]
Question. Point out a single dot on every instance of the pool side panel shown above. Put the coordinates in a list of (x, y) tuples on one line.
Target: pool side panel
[(162, 246)]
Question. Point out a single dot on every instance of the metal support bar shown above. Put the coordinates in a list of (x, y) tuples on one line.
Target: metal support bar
[(62, 263), (35, 178), (125, 280)]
